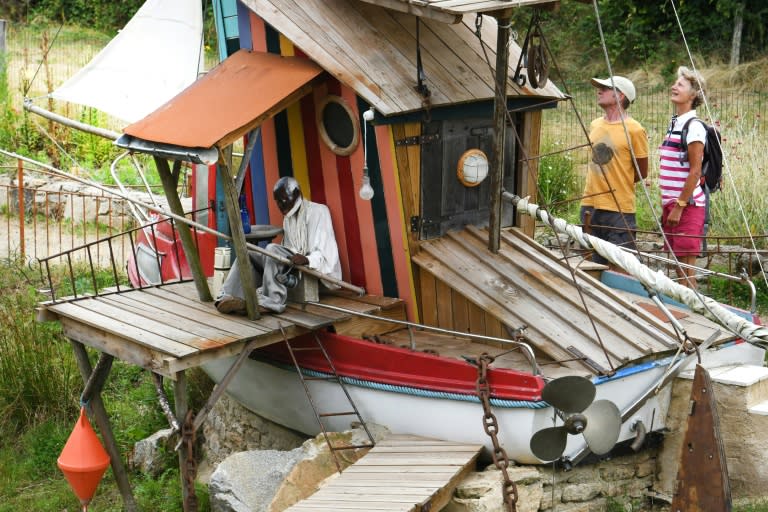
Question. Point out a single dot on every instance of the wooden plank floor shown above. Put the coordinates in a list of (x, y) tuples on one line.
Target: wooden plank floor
[(401, 473), (167, 329)]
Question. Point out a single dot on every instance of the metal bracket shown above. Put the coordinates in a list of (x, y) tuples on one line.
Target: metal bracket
[(417, 140), (415, 224), (586, 360)]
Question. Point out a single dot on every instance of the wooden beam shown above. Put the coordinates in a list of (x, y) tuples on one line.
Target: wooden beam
[(499, 130), (231, 205), (102, 420), (417, 8), (170, 182), (186, 453)]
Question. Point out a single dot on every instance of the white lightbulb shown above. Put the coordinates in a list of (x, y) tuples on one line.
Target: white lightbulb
[(366, 190), (368, 114)]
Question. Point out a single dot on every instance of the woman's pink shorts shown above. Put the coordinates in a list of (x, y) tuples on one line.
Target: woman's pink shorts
[(685, 238)]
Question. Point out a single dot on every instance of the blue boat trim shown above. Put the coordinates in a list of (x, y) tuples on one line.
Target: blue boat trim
[(633, 370), (629, 284), (407, 390)]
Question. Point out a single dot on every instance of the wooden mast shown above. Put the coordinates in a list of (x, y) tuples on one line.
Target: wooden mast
[(503, 19)]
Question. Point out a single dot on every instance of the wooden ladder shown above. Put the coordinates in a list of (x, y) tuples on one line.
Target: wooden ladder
[(332, 377)]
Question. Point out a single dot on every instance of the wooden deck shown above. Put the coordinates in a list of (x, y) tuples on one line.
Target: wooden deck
[(167, 329), (401, 473)]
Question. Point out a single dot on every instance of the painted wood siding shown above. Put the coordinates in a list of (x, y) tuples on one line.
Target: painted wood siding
[(372, 239)]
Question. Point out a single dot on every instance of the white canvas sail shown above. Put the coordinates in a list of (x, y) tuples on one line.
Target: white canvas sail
[(156, 55)]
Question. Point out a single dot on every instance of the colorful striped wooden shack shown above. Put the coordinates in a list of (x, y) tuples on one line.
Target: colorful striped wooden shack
[(428, 85)]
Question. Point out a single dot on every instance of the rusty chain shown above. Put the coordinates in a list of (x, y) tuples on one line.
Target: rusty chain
[(491, 426), (189, 468)]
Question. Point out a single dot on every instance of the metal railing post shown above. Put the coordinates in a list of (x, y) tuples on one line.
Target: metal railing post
[(20, 197)]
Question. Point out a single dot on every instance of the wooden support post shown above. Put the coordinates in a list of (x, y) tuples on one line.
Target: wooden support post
[(221, 387), (98, 377), (102, 420), (2, 40), (170, 182), (186, 453), (231, 204), (499, 129)]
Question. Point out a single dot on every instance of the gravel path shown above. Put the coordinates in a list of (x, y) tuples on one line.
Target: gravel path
[(43, 240)]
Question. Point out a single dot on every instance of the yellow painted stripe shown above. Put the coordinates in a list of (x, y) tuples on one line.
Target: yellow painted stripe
[(397, 222), (296, 132)]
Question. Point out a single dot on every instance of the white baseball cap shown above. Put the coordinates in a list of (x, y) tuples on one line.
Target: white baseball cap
[(622, 84)]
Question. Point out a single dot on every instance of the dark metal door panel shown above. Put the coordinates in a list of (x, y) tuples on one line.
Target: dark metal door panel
[(446, 203)]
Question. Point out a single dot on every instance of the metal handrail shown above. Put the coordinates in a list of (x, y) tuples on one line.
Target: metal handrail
[(525, 348)]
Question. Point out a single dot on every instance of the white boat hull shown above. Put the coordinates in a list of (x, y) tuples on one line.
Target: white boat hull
[(277, 393)]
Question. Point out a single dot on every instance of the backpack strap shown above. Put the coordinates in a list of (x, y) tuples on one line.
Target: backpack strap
[(684, 138)]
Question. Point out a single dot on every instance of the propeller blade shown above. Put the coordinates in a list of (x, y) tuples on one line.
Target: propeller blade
[(603, 426), (549, 443), (569, 394)]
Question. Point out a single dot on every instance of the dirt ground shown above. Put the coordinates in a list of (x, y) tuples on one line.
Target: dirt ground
[(42, 240)]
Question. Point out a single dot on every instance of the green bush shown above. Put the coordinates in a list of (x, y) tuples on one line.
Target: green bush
[(38, 375), (558, 184)]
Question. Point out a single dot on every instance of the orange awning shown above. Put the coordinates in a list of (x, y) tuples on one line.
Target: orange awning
[(232, 99)]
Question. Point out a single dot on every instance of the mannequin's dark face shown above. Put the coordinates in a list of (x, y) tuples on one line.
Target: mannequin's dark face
[(286, 201)]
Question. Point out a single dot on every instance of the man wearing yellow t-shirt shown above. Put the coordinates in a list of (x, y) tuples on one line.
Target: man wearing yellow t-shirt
[(619, 159)]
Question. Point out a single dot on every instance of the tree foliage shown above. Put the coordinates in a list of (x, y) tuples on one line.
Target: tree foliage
[(641, 33), (109, 15)]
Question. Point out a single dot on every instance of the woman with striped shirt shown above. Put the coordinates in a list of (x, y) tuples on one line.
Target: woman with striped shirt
[(682, 198)]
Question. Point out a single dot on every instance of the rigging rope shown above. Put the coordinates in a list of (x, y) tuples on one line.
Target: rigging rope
[(654, 280)]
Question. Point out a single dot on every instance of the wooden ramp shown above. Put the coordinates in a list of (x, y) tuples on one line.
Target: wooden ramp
[(401, 473), (525, 284)]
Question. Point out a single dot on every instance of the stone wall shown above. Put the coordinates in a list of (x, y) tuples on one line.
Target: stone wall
[(231, 428), (622, 483)]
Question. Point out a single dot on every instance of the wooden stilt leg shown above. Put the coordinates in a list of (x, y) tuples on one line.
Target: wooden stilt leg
[(187, 467), (102, 420)]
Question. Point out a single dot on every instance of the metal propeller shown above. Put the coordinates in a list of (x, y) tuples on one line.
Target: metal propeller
[(572, 397)]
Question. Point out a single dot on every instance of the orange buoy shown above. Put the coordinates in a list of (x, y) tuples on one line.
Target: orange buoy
[(83, 460)]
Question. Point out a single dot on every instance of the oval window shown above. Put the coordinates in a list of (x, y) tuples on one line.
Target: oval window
[(338, 126)]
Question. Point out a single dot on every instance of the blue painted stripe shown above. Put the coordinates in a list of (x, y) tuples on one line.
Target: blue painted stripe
[(244, 26), (630, 284)]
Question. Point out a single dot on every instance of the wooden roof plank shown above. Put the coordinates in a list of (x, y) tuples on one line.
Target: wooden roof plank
[(479, 6), (445, 77), (389, 66), (278, 13), (652, 335), (417, 8), (378, 59)]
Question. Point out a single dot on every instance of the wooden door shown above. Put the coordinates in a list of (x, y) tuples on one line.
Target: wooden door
[(446, 203)]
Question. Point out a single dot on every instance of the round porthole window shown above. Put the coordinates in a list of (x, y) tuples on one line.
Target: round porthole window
[(473, 168), (338, 127)]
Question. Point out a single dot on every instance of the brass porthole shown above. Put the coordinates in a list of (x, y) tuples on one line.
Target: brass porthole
[(472, 168), (338, 127)]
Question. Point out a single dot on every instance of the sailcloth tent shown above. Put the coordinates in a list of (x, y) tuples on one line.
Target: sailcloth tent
[(156, 55)]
